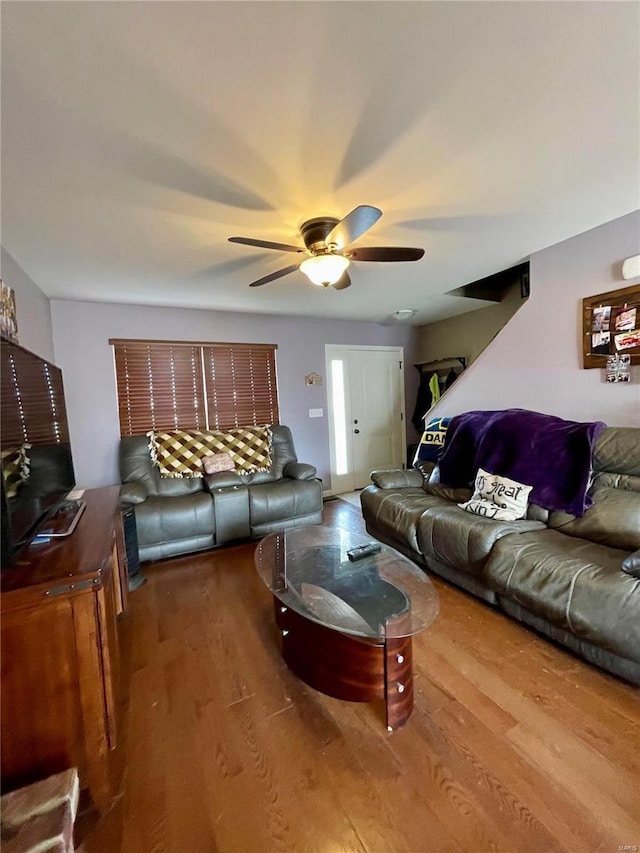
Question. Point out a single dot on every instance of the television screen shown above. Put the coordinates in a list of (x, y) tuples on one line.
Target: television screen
[(37, 468)]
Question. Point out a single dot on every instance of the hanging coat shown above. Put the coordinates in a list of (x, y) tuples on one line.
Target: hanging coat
[(434, 387), (423, 401)]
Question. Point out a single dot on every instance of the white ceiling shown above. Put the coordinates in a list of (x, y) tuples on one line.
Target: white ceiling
[(137, 137)]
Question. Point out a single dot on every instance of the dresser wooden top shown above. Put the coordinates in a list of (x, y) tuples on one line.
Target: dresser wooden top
[(79, 557)]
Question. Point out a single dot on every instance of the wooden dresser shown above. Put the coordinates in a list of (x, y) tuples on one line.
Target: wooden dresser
[(60, 660)]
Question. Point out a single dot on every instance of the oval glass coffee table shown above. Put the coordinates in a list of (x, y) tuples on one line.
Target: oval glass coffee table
[(347, 625)]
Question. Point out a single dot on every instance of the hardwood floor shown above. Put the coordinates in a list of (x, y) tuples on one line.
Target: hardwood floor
[(513, 745)]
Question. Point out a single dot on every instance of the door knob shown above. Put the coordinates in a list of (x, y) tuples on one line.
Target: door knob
[(355, 420), (356, 431)]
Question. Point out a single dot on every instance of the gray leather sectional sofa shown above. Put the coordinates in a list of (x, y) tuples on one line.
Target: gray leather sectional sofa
[(557, 573), (180, 515)]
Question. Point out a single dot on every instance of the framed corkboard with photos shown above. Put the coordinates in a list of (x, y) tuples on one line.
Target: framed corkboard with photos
[(611, 327)]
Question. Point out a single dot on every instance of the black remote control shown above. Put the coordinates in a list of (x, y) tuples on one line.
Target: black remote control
[(362, 551)]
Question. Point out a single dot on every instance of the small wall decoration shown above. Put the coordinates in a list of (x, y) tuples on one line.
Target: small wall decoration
[(313, 379), (8, 322), (618, 368), (611, 328)]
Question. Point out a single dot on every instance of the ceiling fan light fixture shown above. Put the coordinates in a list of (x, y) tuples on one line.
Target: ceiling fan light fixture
[(324, 269)]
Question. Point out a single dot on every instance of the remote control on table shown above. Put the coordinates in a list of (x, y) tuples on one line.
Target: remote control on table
[(362, 551)]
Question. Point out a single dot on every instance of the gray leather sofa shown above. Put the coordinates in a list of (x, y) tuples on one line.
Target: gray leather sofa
[(557, 573), (177, 516)]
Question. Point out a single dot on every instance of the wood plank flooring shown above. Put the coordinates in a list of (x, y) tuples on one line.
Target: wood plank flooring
[(513, 745)]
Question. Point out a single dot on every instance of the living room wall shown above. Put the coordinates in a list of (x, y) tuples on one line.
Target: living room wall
[(81, 331), (535, 362), (32, 308)]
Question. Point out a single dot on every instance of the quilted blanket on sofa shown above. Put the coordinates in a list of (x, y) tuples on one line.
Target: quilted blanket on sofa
[(180, 453), (551, 454)]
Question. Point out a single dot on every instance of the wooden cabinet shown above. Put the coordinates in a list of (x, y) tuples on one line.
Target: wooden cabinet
[(60, 659)]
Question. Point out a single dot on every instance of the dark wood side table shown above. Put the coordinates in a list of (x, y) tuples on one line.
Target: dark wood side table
[(60, 659)]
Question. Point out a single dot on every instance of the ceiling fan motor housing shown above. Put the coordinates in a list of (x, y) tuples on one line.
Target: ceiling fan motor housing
[(315, 232)]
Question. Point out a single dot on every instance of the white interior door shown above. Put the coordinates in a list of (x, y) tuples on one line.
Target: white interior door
[(366, 413), (376, 412)]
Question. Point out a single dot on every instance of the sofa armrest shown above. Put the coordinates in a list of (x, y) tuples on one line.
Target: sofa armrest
[(222, 480), (397, 479), (631, 564), (133, 493), (299, 471)]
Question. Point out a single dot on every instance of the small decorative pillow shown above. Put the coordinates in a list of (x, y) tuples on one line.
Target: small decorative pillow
[(498, 497), (213, 463), (631, 564)]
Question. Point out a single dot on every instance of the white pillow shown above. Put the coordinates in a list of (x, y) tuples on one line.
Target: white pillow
[(498, 497)]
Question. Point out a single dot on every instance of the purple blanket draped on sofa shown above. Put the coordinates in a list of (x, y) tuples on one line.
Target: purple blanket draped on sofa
[(543, 451)]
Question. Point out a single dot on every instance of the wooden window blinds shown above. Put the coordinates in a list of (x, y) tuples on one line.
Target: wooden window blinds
[(169, 385)]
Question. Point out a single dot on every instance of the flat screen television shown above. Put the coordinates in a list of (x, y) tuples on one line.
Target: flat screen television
[(37, 468)]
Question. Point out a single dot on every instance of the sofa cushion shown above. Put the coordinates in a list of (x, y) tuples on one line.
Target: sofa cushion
[(425, 468), (136, 466), (462, 540), (397, 478), (282, 452), (433, 486), (537, 513), (249, 447), (616, 449), (175, 487), (614, 519), (394, 513), (575, 585), (163, 519), (283, 499)]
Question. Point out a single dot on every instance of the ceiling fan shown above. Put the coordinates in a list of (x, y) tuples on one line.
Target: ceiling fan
[(327, 241)]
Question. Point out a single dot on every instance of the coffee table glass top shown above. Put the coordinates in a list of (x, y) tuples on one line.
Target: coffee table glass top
[(380, 596)]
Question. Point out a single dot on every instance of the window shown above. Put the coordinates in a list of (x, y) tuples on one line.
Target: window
[(240, 385), (168, 385)]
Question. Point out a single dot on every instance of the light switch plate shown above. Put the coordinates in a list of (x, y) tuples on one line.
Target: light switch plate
[(316, 413)]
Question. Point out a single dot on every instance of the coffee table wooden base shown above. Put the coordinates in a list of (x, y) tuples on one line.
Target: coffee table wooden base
[(347, 667)]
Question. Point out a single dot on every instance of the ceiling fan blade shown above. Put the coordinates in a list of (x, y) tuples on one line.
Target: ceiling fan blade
[(265, 244), (385, 253), (273, 276), (353, 225), (343, 282)]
